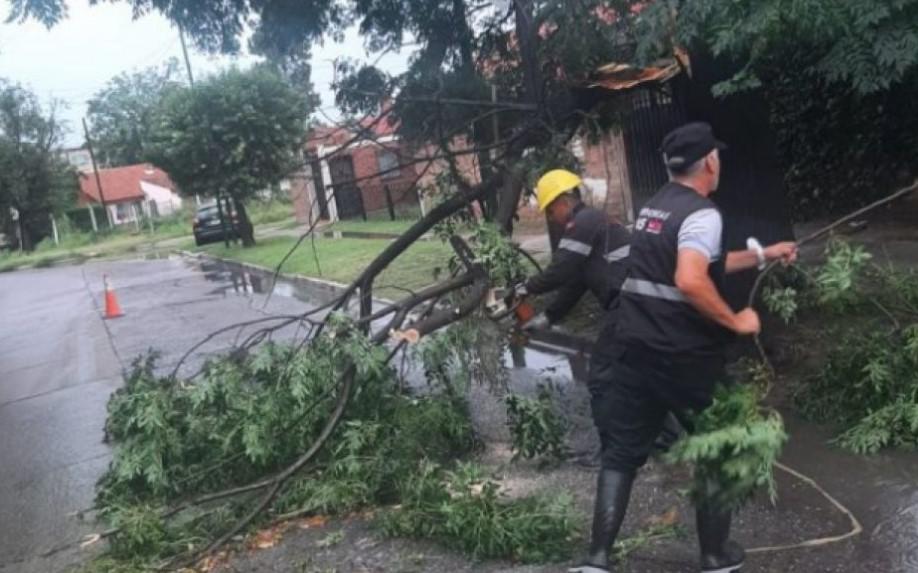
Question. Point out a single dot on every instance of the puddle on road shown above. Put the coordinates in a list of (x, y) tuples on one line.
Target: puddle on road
[(234, 278)]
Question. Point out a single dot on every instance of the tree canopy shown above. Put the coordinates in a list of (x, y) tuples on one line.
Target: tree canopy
[(234, 133), (121, 113), (33, 179)]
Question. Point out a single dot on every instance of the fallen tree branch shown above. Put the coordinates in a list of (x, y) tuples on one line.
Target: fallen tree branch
[(760, 280)]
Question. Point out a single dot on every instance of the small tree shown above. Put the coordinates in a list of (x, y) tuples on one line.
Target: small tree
[(235, 133), (33, 179), (122, 113)]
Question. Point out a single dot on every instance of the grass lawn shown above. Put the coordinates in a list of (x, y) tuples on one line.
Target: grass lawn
[(341, 260)]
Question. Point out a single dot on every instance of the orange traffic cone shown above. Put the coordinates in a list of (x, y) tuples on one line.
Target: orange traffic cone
[(112, 308)]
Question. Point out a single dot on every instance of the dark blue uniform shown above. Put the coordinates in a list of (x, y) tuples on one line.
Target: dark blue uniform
[(590, 257), (660, 355)]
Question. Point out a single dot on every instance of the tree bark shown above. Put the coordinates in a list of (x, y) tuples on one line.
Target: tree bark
[(246, 230)]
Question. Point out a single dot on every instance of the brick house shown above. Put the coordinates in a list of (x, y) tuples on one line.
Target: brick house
[(131, 192), (372, 176)]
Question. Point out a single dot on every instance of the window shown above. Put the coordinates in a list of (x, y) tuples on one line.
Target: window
[(123, 211), (388, 164)]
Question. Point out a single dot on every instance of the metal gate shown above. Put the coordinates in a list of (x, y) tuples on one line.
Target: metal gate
[(347, 193), (319, 186), (654, 113)]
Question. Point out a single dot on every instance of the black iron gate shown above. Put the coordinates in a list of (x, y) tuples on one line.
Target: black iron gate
[(654, 113), (347, 193)]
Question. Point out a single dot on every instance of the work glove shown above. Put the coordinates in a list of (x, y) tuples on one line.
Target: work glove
[(537, 322)]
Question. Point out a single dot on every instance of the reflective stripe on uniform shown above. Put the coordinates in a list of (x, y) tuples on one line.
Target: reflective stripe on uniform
[(653, 290), (576, 247), (618, 254)]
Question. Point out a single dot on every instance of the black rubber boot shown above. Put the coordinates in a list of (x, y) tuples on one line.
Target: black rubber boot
[(718, 553), (612, 494)]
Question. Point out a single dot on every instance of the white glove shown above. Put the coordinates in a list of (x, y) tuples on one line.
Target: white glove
[(537, 322)]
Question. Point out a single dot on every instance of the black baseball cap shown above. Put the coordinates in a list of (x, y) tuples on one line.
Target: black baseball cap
[(685, 145)]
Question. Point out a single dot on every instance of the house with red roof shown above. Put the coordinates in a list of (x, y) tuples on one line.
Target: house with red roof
[(131, 192)]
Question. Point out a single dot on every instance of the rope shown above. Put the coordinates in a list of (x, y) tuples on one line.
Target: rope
[(856, 527)]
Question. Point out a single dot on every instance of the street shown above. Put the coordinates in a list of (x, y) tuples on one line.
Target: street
[(59, 361)]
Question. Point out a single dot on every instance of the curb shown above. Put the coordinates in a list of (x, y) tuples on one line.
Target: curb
[(322, 287)]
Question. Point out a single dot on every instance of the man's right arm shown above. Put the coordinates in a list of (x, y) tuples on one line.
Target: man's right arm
[(693, 280), (700, 242)]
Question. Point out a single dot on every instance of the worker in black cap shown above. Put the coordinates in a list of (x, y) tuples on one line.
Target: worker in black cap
[(664, 351)]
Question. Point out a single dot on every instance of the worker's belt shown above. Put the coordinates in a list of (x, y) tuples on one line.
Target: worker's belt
[(653, 290), (618, 254)]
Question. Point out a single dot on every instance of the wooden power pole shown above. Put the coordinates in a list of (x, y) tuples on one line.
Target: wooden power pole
[(181, 34), (95, 170)]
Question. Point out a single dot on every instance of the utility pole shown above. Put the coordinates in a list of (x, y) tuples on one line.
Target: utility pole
[(219, 195), (95, 170), (181, 34)]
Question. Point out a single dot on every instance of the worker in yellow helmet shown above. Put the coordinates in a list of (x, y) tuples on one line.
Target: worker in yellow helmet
[(590, 257)]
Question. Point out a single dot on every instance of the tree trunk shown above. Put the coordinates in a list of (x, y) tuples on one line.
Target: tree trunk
[(245, 228), (25, 235)]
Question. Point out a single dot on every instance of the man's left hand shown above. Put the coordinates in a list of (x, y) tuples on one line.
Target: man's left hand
[(785, 252)]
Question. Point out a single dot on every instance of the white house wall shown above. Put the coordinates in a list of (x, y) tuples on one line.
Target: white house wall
[(167, 201)]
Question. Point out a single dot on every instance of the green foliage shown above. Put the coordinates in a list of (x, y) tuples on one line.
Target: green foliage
[(536, 428), (121, 114), (836, 281), (840, 150), (868, 45), (367, 461), (466, 511), (867, 385), (238, 131), (782, 302), (733, 447), (33, 179), (463, 353), (837, 286), (173, 439), (498, 254)]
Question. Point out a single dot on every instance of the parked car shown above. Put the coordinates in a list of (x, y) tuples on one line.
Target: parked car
[(206, 225)]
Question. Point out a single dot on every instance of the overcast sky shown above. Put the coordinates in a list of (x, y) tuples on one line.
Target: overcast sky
[(77, 57)]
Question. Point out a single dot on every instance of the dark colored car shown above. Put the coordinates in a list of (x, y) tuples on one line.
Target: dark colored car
[(206, 225)]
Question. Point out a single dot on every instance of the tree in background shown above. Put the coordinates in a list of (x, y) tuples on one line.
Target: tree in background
[(233, 134), (121, 113), (840, 77), (33, 179)]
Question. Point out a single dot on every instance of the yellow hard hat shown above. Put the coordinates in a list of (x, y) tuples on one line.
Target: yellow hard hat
[(554, 184)]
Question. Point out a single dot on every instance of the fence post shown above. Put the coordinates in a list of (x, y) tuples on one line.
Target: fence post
[(57, 238), (389, 203), (92, 217)]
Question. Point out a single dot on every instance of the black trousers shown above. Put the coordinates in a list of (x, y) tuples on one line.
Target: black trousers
[(634, 388)]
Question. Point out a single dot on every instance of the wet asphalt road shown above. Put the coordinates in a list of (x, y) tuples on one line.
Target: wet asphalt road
[(59, 361)]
